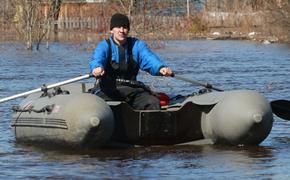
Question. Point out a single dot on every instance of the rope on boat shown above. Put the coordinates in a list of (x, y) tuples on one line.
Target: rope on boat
[(47, 109)]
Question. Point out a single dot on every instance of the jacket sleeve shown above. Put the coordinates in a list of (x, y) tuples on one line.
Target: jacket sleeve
[(99, 56), (148, 60)]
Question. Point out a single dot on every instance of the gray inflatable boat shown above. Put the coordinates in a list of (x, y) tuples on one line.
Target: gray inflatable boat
[(71, 116)]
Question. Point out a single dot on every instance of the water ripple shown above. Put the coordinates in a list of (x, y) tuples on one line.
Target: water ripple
[(224, 64)]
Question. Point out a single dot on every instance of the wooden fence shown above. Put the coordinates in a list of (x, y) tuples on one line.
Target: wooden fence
[(80, 23), (210, 19), (232, 19), (100, 23)]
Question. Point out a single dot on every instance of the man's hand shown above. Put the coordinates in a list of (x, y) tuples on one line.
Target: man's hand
[(166, 71), (99, 71)]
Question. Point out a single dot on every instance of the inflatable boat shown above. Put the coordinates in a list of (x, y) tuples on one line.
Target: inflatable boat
[(69, 115)]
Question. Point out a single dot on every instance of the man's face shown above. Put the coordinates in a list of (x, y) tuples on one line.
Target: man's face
[(120, 34)]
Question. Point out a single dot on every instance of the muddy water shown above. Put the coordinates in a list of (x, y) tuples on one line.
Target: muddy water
[(224, 64)]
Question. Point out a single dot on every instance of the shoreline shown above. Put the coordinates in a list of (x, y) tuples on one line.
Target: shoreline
[(91, 37)]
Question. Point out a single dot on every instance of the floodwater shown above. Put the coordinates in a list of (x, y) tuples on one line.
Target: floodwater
[(225, 64)]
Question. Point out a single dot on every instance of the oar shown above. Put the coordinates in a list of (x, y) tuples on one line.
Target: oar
[(47, 87), (208, 86), (281, 108)]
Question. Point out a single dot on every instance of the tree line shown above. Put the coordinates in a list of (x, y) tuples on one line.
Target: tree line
[(33, 25)]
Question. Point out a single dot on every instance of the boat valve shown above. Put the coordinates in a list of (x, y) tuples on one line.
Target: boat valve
[(257, 117), (94, 121)]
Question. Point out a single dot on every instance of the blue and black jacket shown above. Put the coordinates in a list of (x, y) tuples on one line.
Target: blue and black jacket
[(124, 61), (141, 54)]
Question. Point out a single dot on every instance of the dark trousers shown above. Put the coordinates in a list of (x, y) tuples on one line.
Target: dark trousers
[(138, 98)]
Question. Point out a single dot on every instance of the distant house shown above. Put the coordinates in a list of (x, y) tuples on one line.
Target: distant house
[(95, 1), (84, 1), (81, 8), (78, 8), (75, 14)]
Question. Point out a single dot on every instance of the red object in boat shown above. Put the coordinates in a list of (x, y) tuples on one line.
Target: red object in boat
[(163, 98)]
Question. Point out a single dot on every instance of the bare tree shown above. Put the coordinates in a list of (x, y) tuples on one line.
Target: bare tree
[(277, 14), (5, 15), (30, 22), (127, 6)]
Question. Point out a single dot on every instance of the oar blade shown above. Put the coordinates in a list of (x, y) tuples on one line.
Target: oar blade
[(281, 108)]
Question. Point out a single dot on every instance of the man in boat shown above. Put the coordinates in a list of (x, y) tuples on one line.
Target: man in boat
[(117, 61)]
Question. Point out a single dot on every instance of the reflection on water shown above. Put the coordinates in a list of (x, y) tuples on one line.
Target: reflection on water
[(224, 64), (170, 161)]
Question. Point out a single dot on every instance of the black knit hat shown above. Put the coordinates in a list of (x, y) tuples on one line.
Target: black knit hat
[(119, 20)]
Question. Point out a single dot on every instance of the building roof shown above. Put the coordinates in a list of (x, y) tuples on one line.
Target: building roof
[(84, 1)]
